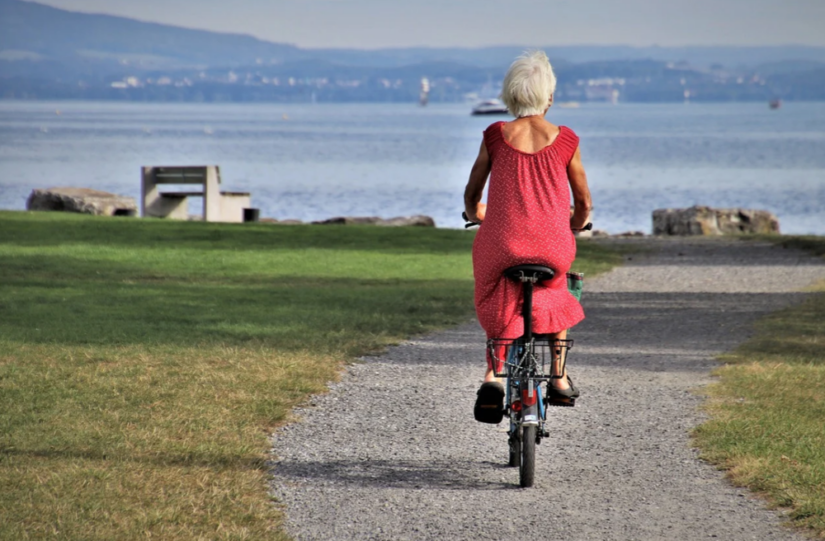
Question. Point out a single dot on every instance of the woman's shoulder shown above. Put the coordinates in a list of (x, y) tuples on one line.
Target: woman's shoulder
[(494, 129), (568, 133), (567, 142), (493, 135)]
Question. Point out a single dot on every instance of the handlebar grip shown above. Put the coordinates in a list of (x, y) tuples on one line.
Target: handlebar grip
[(466, 218)]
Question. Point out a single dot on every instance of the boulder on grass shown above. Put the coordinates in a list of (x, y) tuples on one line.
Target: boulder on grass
[(349, 220), (83, 201), (418, 220), (280, 222), (700, 220)]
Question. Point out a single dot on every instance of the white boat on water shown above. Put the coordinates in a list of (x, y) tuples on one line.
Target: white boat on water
[(490, 107), (424, 97)]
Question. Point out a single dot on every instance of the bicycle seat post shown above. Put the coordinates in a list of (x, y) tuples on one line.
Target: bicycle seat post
[(527, 307), (529, 275)]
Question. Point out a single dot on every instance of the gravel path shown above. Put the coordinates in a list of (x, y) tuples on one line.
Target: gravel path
[(392, 451)]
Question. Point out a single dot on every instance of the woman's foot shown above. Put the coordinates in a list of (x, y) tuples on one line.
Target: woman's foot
[(489, 406), (562, 392), (490, 376), (561, 384)]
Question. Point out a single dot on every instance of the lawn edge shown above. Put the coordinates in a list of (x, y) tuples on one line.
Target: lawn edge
[(813, 245)]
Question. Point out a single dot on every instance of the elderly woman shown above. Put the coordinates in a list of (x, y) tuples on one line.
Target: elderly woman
[(533, 167)]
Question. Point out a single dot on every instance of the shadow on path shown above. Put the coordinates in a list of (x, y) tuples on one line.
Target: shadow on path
[(409, 474)]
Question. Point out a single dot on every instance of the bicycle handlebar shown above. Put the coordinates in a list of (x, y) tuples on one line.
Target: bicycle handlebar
[(470, 224)]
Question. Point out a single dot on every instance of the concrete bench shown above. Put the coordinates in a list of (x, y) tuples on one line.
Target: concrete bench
[(218, 206)]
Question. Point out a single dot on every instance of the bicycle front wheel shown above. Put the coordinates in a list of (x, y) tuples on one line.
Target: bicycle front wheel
[(527, 465)]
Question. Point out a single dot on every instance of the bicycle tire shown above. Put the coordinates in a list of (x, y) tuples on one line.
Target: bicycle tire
[(527, 468), (515, 451)]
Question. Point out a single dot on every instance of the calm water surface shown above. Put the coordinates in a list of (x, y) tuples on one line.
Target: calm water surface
[(316, 161)]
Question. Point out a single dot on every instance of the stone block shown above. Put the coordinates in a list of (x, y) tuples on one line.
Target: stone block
[(81, 200), (417, 220), (701, 220)]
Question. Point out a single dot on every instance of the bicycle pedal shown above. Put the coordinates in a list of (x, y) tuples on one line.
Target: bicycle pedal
[(559, 403)]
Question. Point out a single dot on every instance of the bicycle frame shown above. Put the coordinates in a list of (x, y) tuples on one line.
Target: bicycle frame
[(524, 376), (523, 373), (525, 368)]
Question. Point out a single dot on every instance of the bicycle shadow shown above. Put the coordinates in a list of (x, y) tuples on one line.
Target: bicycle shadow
[(401, 474)]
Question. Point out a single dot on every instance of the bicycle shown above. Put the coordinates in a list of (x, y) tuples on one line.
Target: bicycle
[(525, 363)]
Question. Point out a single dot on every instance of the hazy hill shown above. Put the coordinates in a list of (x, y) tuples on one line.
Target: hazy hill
[(49, 53), (501, 56), (38, 32)]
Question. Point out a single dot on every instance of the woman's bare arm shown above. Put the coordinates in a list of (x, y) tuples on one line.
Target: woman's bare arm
[(581, 193), (475, 186)]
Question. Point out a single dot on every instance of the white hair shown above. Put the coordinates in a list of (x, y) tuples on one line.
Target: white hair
[(528, 85)]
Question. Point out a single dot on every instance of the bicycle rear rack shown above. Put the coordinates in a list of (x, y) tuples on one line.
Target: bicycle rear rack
[(513, 354)]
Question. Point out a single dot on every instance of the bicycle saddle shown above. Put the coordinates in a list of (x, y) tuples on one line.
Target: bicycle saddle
[(540, 272)]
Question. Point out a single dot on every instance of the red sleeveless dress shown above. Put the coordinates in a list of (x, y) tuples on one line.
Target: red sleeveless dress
[(527, 221)]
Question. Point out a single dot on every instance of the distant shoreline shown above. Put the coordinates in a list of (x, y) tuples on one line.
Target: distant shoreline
[(414, 103)]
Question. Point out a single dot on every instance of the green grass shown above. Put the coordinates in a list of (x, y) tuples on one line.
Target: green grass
[(144, 363), (811, 243), (768, 409)]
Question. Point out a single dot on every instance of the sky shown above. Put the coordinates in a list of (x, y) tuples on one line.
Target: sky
[(371, 24)]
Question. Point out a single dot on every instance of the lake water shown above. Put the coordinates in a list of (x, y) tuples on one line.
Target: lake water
[(317, 161)]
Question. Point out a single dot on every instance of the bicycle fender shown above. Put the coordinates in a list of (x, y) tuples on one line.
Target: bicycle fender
[(530, 416)]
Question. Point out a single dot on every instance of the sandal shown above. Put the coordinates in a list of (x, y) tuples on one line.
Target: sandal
[(489, 406), (562, 397)]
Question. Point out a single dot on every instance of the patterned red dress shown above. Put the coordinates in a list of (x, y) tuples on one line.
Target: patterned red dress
[(527, 221)]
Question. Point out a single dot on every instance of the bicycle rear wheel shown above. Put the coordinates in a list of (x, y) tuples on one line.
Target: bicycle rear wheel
[(527, 466)]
